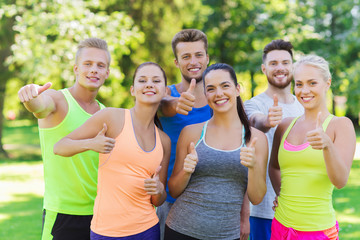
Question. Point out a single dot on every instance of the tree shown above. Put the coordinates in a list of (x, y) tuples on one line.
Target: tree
[(45, 37)]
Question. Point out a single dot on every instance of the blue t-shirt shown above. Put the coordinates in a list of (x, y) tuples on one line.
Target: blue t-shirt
[(172, 126)]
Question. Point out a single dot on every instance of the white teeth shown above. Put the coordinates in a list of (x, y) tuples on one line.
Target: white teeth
[(194, 69), (220, 101), (306, 98), (280, 76)]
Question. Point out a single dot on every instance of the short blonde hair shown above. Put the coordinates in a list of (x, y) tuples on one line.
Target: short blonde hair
[(93, 43), (316, 62)]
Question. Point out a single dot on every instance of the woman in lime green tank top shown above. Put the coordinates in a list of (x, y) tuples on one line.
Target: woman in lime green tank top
[(311, 154)]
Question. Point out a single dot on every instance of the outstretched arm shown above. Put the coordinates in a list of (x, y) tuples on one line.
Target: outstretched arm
[(254, 157), (156, 185), (38, 99), (96, 134), (339, 152)]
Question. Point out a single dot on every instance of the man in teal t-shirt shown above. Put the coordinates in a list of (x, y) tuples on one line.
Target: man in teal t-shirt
[(70, 182)]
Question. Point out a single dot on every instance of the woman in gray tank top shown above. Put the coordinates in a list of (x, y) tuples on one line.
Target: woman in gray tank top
[(217, 162)]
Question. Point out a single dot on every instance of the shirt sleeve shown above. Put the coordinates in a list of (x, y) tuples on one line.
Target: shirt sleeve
[(251, 107)]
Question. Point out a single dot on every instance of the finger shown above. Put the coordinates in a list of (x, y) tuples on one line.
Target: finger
[(318, 121), (192, 86), (103, 130), (252, 143), (157, 172), (192, 148), (276, 101), (43, 88)]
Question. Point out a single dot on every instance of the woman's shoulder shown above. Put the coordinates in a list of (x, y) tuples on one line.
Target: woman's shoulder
[(339, 123)]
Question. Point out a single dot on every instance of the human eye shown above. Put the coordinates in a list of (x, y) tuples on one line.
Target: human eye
[(199, 55), (157, 80), (298, 84), (185, 57)]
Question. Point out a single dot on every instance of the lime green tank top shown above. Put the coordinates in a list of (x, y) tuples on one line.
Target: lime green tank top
[(70, 182), (305, 201)]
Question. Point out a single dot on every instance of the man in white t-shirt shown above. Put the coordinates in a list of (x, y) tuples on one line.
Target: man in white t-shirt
[(265, 111)]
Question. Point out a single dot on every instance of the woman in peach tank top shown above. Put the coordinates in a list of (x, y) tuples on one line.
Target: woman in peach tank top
[(311, 154), (134, 156)]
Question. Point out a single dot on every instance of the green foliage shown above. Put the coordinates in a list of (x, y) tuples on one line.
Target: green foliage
[(47, 36)]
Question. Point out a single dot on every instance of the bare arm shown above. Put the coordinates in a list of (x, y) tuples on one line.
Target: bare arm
[(38, 99), (254, 157), (338, 153), (245, 215), (274, 168), (170, 106), (96, 134), (156, 186), (186, 160), (272, 119)]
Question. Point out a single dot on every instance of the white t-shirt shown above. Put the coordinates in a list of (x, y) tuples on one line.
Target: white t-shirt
[(261, 104)]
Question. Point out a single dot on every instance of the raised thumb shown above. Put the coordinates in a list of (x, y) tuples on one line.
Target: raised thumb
[(192, 86), (318, 121), (157, 172), (192, 148), (252, 142), (103, 130), (276, 100), (44, 87)]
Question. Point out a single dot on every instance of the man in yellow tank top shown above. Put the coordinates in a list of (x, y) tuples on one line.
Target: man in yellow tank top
[(70, 182)]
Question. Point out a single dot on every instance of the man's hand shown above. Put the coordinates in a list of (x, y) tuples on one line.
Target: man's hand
[(31, 91), (187, 99), (275, 114)]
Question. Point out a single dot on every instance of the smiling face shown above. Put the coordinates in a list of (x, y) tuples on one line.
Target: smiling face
[(149, 84), (92, 68), (277, 68), (220, 90), (310, 86), (192, 60)]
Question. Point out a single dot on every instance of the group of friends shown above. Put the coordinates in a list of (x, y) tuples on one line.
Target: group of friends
[(191, 160)]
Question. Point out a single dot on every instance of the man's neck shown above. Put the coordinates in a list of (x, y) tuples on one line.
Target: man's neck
[(82, 94), (284, 94)]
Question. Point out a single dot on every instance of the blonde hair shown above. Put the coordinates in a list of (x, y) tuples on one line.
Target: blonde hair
[(93, 43), (316, 62)]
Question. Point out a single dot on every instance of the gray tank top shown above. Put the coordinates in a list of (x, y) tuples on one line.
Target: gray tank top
[(209, 207)]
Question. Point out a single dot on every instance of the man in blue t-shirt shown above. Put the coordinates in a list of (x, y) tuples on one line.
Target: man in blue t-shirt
[(185, 102)]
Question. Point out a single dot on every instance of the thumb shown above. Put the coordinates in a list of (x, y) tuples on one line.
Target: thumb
[(191, 89), (44, 87), (103, 130), (276, 101), (157, 172), (252, 142), (192, 148), (318, 121)]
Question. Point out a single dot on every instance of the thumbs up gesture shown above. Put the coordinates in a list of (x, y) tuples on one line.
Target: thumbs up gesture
[(247, 154), (153, 185), (101, 143), (317, 138), (187, 99), (275, 113), (191, 159), (31, 91)]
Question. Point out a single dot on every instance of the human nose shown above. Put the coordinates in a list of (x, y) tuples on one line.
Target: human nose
[(94, 69), (193, 60), (219, 92)]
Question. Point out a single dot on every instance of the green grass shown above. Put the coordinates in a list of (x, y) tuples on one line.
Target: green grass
[(21, 186)]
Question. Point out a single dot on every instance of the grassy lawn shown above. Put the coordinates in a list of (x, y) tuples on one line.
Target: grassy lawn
[(21, 184)]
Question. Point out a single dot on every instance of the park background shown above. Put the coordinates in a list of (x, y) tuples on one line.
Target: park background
[(38, 42)]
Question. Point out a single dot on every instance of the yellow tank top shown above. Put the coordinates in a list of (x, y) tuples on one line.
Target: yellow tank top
[(122, 207), (305, 201)]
